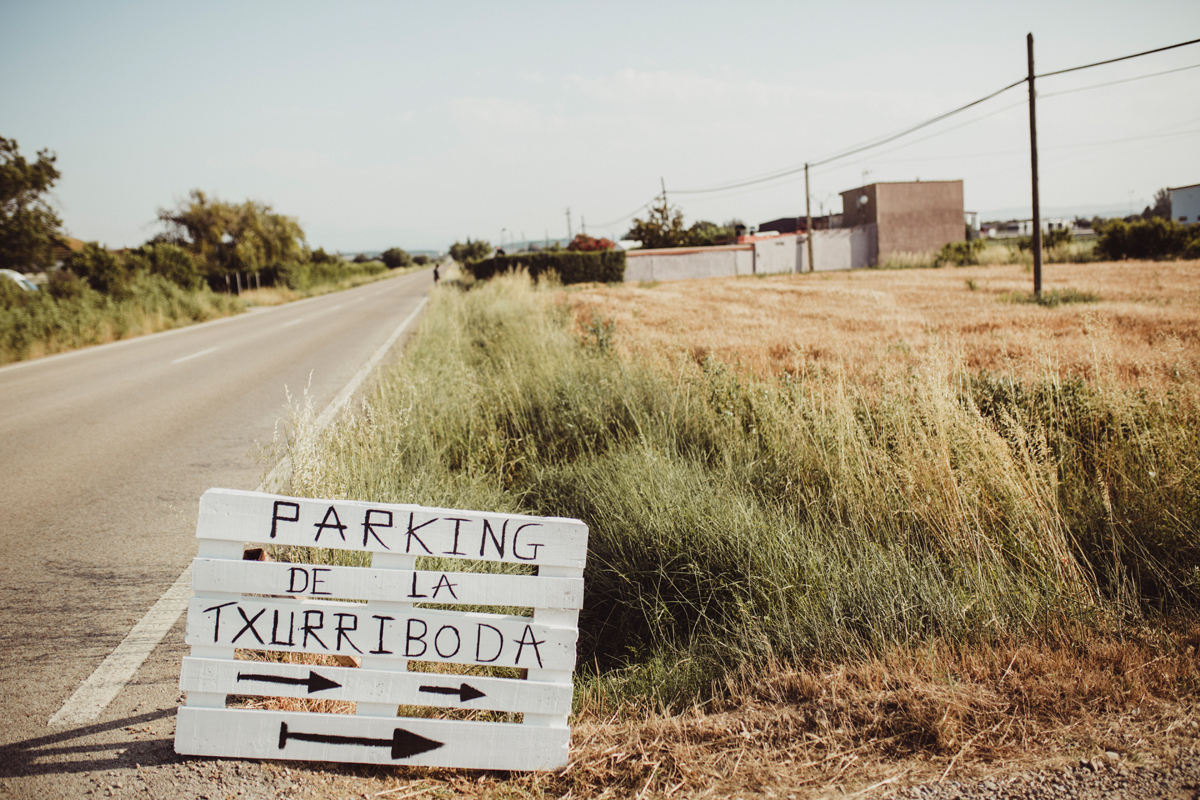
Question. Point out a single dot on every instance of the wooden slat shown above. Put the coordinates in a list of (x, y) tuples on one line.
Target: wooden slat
[(220, 676), (358, 629), (228, 514), (369, 740), (366, 583)]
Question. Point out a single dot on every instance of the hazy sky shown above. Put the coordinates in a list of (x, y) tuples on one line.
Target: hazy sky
[(416, 124)]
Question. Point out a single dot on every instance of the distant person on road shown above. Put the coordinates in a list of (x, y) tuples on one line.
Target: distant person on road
[(437, 276)]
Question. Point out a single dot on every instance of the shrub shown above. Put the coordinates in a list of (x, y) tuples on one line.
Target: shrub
[(604, 266), (960, 254), (588, 244), (394, 258), (167, 260), (103, 271), (471, 251), (1153, 238), (420, 261)]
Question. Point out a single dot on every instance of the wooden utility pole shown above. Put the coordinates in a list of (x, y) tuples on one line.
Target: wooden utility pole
[(570, 233), (1037, 211), (808, 234)]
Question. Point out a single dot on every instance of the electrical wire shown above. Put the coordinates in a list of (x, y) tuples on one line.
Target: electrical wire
[(1114, 83), (1115, 60), (627, 216)]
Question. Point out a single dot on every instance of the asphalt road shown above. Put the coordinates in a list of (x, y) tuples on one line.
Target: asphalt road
[(103, 456)]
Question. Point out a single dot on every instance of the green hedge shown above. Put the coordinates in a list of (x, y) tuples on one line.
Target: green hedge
[(1153, 238), (607, 266)]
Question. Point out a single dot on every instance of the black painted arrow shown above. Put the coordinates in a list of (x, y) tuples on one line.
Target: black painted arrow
[(404, 743), (465, 692), (315, 682)]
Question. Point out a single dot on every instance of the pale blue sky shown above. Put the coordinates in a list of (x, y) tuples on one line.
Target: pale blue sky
[(382, 124)]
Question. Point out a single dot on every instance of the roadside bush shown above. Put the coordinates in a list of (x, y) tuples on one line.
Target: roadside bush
[(960, 254), (103, 271), (69, 314), (394, 258), (167, 260), (604, 266), (420, 261), (1151, 239), (300, 276)]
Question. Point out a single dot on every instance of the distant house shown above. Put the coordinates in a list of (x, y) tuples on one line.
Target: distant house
[(1185, 204), (908, 217), (66, 246)]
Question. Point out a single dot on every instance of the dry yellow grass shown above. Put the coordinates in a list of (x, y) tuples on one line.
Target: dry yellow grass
[(1144, 330)]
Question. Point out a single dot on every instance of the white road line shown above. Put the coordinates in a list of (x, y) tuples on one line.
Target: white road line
[(194, 355), (293, 322), (108, 679)]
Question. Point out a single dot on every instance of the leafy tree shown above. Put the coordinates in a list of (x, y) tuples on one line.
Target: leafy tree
[(29, 227), (228, 237), (587, 244), (168, 260), (103, 271), (471, 251), (319, 256), (1161, 207), (394, 258), (704, 233), (662, 228), (421, 260)]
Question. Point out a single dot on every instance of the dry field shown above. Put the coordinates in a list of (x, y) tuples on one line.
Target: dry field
[(1144, 329)]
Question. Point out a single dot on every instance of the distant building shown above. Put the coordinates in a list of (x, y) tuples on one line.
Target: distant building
[(909, 217), (798, 224), (1024, 227), (64, 248), (1185, 204)]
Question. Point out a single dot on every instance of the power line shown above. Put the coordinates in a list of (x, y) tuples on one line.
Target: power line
[(627, 216), (1115, 60), (878, 143), (1114, 83)]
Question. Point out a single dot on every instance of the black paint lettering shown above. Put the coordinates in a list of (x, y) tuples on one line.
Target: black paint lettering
[(414, 594), (444, 583), (342, 631), (325, 523), (479, 643), (317, 579), (292, 575), (308, 628), (487, 531), (409, 639), (291, 641), (217, 624), (457, 523), (527, 638), (249, 626), (534, 545), (412, 534), (438, 639), (382, 621), (276, 519), (369, 526)]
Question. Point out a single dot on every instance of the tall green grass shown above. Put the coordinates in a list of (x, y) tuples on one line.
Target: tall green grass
[(39, 323), (734, 521)]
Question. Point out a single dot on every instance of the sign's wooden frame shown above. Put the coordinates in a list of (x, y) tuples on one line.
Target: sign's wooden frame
[(372, 613)]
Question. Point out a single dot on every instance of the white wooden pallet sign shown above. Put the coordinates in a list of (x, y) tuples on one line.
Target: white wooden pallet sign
[(369, 613)]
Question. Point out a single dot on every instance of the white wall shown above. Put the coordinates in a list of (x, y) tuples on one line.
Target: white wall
[(775, 255), (676, 264), (1185, 205), (840, 249)]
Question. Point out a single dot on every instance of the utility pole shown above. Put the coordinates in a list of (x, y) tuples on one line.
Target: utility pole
[(808, 214), (583, 224), (1037, 211), (663, 183), (570, 233)]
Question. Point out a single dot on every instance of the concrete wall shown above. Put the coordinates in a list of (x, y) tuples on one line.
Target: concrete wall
[(679, 263), (839, 249), (775, 255), (1185, 204)]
